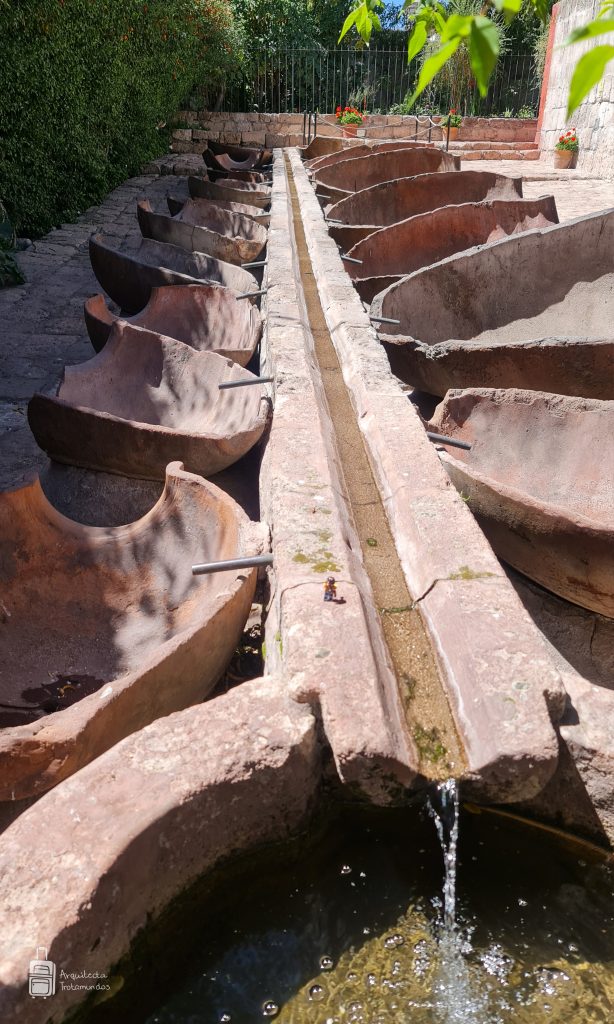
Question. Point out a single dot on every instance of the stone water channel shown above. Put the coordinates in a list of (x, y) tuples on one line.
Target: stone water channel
[(428, 665)]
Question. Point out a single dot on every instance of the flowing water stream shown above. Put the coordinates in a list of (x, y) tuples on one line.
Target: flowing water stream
[(365, 927)]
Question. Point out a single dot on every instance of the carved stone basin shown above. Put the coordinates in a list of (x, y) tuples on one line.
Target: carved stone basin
[(232, 191), (215, 172), (104, 630), (398, 250), (146, 400), (226, 236), (330, 159), (208, 317), (204, 206), (540, 482), (128, 277), (238, 157), (392, 201), (354, 174), (550, 327)]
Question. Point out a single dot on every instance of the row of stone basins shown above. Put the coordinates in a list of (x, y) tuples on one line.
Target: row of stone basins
[(371, 356), (496, 322)]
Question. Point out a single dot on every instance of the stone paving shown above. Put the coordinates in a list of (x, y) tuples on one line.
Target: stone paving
[(42, 321), (576, 193)]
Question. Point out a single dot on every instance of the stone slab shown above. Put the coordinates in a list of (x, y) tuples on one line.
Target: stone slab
[(437, 558), (331, 655), (131, 831)]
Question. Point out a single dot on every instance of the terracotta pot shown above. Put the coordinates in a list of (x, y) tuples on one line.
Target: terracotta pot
[(349, 131), (564, 158), (453, 133)]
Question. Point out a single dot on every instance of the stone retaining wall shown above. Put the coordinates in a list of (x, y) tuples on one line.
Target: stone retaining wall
[(279, 130), (594, 119)]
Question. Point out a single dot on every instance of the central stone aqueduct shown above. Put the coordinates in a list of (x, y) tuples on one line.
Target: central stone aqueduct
[(378, 284)]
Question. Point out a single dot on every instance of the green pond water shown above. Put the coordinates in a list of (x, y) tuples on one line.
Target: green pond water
[(350, 931)]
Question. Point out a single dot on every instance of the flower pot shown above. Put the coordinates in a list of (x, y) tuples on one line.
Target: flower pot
[(453, 133), (564, 158), (348, 131)]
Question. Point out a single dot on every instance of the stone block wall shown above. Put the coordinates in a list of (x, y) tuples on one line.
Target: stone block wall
[(272, 130), (594, 119)]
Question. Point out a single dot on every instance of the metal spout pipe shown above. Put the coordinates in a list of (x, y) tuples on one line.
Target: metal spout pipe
[(206, 568)]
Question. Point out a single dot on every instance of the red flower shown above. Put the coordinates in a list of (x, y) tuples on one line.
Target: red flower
[(453, 110)]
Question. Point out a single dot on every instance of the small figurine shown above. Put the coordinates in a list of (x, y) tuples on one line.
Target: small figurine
[(330, 589)]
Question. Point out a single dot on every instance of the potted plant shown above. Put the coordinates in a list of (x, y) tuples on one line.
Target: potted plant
[(454, 120), (566, 149), (349, 119)]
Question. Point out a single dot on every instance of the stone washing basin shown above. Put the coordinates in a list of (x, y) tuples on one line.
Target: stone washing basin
[(128, 277), (364, 212), (330, 159), (219, 233), (232, 191), (540, 480), (146, 400), (208, 317), (215, 172), (206, 205), (353, 175), (393, 252), (238, 157), (549, 328), (106, 629)]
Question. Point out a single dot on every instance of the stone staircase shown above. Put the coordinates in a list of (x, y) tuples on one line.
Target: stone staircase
[(477, 150)]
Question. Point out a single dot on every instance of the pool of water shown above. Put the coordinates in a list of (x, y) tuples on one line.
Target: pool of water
[(351, 931)]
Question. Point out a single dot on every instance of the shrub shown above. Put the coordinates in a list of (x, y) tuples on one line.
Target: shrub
[(87, 87)]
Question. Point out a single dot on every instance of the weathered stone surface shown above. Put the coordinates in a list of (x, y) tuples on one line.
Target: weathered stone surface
[(133, 830), (552, 519), (42, 320), (147, 400), (580, 796), (412, 244), (231, 191), (593, 120), (331, 159), (392, 201), (146, 646), (354, 175), (208, 317), (461, 297), (128, 278), (450, 568), (331, 655), (219, 233)]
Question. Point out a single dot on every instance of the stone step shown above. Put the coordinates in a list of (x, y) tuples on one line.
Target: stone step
[(498, 154), (460, 144)]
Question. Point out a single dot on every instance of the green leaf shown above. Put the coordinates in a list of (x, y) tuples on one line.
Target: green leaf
[(587, 73), (457, 25), (352, 17), (483, 51), (417, 41), (594, 28), (433, 65)]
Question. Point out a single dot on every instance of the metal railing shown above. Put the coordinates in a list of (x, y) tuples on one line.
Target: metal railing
[(295, 80)]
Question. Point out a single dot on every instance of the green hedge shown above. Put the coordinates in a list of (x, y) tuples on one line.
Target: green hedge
[(86, 87)]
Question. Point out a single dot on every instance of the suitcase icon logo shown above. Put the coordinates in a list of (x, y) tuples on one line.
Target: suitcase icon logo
[(41, 976)]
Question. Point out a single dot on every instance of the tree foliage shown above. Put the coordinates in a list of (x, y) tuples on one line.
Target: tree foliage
[(480, 35), (86, 87)]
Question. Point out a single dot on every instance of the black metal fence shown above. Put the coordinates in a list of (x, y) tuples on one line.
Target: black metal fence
[(291, 81)]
